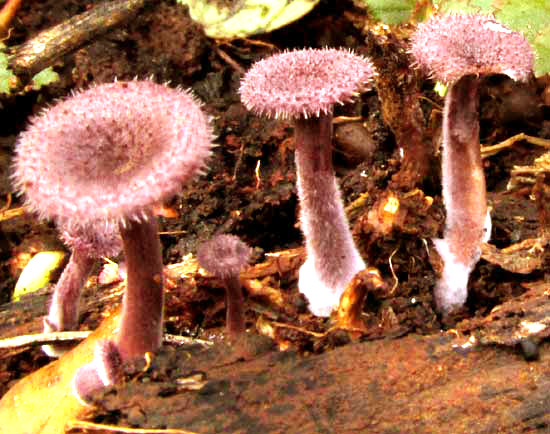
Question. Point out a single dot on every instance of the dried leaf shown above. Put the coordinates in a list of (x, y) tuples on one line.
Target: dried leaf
[(37, 272), (238, 19), (43, 402), (522, 258)]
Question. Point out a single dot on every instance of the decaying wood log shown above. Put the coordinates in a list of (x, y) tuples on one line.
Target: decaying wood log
[(412, 384)]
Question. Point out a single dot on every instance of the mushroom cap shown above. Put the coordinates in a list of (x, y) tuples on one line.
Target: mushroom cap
[(102, 239), (223, 255), (305, 82), (452, 46), (110, 152)]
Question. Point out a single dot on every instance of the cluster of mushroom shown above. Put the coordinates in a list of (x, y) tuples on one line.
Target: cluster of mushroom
[(304, 86), (98, 161)]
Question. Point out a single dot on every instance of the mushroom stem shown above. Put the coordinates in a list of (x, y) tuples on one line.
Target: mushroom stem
[(140, 328), (234, 305), (224, 256), (332, 259), (104, 370), (464, 193), (63, 313)]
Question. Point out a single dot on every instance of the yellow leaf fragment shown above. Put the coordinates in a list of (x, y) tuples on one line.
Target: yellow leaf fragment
[(239, 19), (43, 402), (37, 272)]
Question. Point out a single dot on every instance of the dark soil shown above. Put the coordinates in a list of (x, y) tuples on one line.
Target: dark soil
[(249, 191)]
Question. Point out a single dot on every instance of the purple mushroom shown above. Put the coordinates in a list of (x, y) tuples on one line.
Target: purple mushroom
[(106, 155), (224, 256), (459, 50), (304, 85), (87, 245), (105, 371)]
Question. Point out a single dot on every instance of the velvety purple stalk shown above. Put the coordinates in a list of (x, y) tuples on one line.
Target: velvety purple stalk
[(105, 370), (332, 259), (464, 193), (63, 313), (224, 256), (141, 323), (234, 305)]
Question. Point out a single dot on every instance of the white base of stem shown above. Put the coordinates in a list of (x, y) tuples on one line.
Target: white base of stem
[(323, 298)]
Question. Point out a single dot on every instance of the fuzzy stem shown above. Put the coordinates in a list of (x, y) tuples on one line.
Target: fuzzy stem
[(464, 193), (234, 305), (63, 313), (332, 259), (141, 324), (104, 370)]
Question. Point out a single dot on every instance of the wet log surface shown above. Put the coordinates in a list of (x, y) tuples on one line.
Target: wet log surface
[(410, 384), (487, 375)]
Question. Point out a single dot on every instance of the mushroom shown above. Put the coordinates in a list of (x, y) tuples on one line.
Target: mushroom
[(224, 256), (106, 370), (87, 245), (458, 50), (107, 155), (304, 85)]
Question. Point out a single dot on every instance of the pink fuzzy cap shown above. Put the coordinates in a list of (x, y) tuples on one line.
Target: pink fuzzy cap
[(108, 153), (304, 83), (456, 45), (224, 255)]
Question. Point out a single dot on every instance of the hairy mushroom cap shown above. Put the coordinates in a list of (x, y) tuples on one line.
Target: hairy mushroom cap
[(109, 152), (452, 46), (224, 255), (304, 83), (102, 239)]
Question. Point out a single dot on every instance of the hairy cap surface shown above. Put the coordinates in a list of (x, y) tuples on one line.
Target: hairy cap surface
[(304, 82), (456, 45), (109, 152), (224, 255)]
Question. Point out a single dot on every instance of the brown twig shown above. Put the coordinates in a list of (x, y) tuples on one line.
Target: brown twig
[(8, 203), (6, 15), (488, 151), (97, 427), (7, 214), (42, 339), (76, 336), (49, 45), (229, 60), (298, 329)]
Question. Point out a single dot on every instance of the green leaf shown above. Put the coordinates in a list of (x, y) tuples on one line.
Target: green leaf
[(530, 17), (467, 6), (44, 77), (527, 16), (391, 11), (238, 18), (6, 75), (542, 48)]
